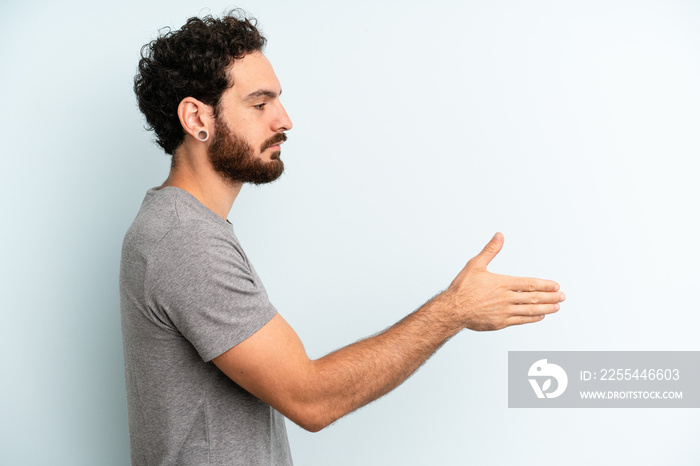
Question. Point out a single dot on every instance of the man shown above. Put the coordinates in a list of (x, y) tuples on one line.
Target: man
[(210, 364)]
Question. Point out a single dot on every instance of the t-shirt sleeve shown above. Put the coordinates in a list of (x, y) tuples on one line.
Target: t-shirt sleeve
[(200, 281)]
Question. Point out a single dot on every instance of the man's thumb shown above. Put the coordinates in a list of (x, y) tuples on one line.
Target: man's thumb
[(490, 251)]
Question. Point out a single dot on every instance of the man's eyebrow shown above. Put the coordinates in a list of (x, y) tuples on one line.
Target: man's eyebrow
[(262, 93)]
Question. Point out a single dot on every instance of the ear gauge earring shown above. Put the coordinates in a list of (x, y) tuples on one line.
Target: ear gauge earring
[(202, 135)]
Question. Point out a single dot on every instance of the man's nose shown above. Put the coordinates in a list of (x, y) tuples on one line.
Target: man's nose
[(283, 121)]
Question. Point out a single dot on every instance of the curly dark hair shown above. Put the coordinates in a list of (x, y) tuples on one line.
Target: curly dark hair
[(191, 62)]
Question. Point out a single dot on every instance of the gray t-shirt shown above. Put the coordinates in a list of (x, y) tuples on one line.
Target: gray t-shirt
[(188, 294)]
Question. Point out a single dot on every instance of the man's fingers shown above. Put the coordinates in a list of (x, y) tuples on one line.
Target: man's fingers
[(534, 309), (533, 284), (520, 320), (536, 297), (490, 251)]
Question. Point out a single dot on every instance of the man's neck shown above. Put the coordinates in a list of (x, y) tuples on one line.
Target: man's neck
[(206, 185)]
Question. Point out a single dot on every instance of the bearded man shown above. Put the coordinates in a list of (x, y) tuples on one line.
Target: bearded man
[(212, 369)]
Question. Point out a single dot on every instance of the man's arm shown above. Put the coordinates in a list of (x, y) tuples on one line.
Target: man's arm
[(272, 364)]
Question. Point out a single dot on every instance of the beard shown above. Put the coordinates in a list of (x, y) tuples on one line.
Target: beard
[(234, 158)]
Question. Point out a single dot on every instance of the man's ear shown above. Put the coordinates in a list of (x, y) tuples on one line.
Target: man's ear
[(196, 118)]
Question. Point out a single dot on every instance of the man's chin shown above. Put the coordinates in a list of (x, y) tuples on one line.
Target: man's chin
[(274, 169)]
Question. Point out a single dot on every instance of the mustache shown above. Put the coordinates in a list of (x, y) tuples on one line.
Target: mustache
[(276, 139)]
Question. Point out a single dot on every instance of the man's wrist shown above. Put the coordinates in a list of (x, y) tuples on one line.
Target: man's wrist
[(442, 310)]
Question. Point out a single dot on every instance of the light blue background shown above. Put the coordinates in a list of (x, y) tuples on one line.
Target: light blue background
[(421, 128)]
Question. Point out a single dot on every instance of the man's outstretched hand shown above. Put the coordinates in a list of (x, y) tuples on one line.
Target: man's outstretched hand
[(486, 301), (272, 363)]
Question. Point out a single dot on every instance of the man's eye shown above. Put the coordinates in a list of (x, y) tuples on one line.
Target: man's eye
[(260, 106)]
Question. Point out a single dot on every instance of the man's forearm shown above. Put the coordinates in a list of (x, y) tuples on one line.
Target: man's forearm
[(364, 371)]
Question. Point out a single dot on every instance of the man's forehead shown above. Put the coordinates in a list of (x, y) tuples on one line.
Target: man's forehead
[(253, 77)]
